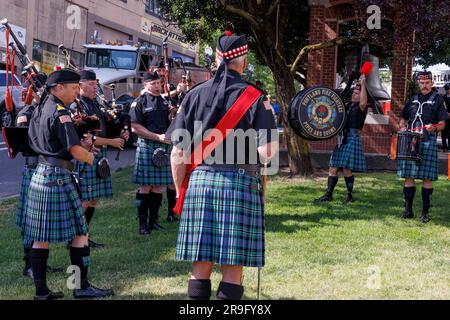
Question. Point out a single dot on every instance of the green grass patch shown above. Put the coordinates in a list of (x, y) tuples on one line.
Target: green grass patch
[(326, 251)]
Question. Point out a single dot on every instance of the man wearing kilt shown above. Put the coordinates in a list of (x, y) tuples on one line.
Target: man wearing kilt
[(94, 187), (348, 154), (433, 116), (150, 120), (31, 161), (53, 211), (223, 213)]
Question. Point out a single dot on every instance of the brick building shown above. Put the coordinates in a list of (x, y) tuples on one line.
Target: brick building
[(45, 24), (327, 19)]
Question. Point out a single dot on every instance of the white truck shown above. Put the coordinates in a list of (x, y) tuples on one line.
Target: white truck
[(125, 65)]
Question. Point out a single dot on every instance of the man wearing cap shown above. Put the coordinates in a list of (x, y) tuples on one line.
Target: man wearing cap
[(31, 161), (222, 214), (429, 107), (348, 154), (53, 211), (94, 187), (446, 131), (150, 120)]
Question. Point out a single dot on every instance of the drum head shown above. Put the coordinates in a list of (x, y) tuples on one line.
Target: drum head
[(317, 113)]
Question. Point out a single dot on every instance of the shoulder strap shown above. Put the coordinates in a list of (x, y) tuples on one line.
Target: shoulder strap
[(229, 121)]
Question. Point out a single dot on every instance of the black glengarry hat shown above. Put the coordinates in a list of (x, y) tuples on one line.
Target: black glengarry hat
[(87, 75), (62, 76)]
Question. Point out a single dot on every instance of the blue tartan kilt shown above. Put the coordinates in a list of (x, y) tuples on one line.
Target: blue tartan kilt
[(222, 220), (93, 187), (427, 168), (145, 172), (349, 155), (27, 174), (53, 213)]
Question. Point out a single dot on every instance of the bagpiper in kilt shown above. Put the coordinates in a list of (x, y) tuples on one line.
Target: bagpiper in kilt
[(424, 112), (348, 154), (150, 119), (53, 211), (93, 185), (223, 210), (31, 161)]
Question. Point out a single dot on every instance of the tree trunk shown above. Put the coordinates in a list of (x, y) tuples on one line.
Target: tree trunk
[(298, 149)]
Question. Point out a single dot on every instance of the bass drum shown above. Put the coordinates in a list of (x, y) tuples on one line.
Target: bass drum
[(317, 113)]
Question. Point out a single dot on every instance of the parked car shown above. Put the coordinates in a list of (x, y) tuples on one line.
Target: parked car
[(7, 118)]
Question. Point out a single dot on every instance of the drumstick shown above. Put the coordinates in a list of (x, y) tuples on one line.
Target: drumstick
[(423, 127)]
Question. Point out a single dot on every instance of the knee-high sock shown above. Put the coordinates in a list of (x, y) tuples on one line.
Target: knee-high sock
[(89, 213), (409, 193), (81, 257), (229, 291), (26, 256), (155, 200), (332, 182), (199, 289), (142, 206), (349, 182), (38, 259), (426, 199), (171, 201)]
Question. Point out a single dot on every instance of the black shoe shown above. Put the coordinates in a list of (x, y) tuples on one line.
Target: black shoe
[(424, 218), (323, 198), (172, 218), (143, 230), (54, 270), (407, 215), (28, 273), (93, 244), (92, 292), (157, 227), (348, 200), (51, 296)]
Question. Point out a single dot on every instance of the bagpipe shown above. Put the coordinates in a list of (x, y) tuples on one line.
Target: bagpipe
[(117, 121), (16, 138)]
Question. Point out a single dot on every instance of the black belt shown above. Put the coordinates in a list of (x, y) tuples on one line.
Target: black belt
[(352, 131), (56, 162), (31, 161), (249, 169)]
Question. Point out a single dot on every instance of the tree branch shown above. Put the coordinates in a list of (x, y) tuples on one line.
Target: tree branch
[(272, 7), (232, 9), (318, 46)]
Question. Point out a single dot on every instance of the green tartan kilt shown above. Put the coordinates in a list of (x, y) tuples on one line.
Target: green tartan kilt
[(53, 213), (145, 172), (27, 174), (222, 220), (427, 168), (349, 155), (93, 187)]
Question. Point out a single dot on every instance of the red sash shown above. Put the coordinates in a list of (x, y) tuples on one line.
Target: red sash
[(225, 126)]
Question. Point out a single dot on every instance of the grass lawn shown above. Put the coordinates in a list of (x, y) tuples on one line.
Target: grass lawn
[(360, 251)]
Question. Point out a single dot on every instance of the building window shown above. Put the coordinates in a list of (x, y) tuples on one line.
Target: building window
[(152, 7), (185, 58), (154, 48)]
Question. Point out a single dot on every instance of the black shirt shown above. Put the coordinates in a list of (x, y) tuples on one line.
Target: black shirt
[(258, 117), (447, 102), (152, 112), (431, 113), (355, 116), (91, 107), (23, 120), (24, 116), (51, 131)]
